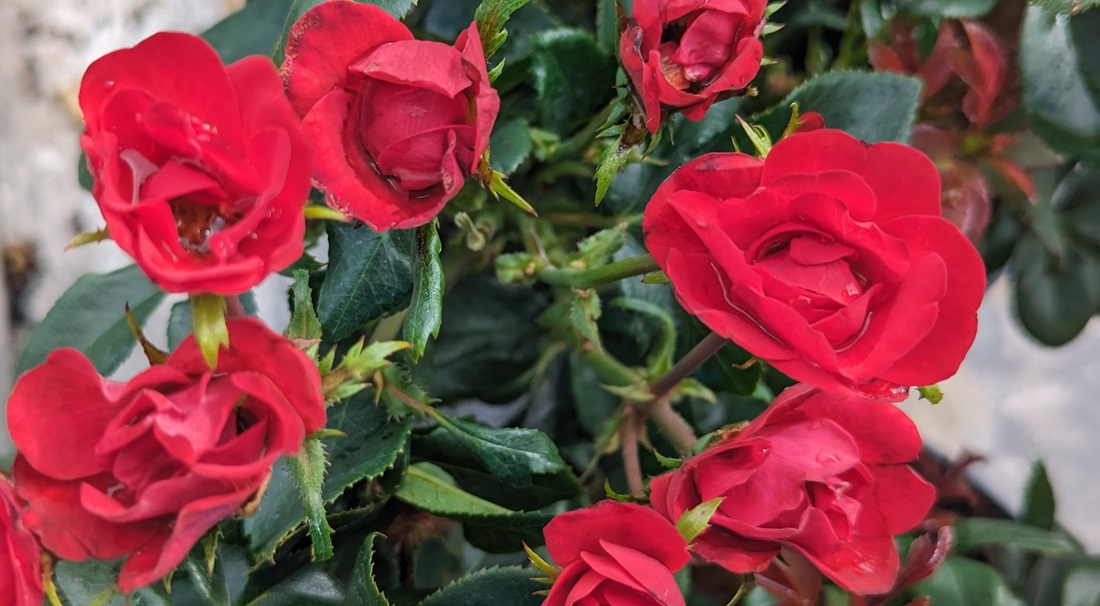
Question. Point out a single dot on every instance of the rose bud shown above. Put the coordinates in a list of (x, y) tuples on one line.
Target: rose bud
[(818, 473), (684, 54), (397, 123), (615, 554), (144, 468), (829, 260), (201, 170), (21, 573)]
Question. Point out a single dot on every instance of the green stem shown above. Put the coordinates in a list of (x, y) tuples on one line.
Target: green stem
[(587, 278), (607, 368)]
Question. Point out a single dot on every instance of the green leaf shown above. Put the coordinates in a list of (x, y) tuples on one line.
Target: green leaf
[(664, 348), (1054, 296), (607, 25), (91, 316), (1038, 508), (179, 319), (488, 343), (84, 582), (695, 520), (307, 468), (211, 588), (1066, 6), (573, 76), (369, 276), (512, 454), (512, 586), (584, 312), (1083, 30), (871, 106), (980, 532), (426, 311), (1082, 587), (307, 587), (303, 319), (440, 447), (613, 159), (369, 448), (1063, 111), (951, 9), (362, 587), (253, 30), (509, 145), (962, 581), (431, 489), (491, 16)]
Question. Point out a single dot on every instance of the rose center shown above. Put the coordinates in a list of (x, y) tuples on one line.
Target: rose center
[(197, 223), (696, 47), (811, 265)]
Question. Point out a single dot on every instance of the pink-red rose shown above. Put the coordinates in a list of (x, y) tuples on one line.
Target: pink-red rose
[(397, 123), (615, 554), (828, 260), (817, 473), (144, 468), (21, 564), (683, 54), (201, 170)]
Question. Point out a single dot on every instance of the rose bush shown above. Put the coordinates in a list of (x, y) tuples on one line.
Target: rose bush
[(615, 554), (144, 468), (397, 123), (819, 473), (828, 259), (684, 54), (21, 568), (201, 170)]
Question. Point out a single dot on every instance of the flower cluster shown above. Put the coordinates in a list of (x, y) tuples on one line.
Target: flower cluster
[(824, 257)]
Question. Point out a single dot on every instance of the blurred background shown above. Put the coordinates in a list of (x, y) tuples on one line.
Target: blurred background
[(1013, 402)]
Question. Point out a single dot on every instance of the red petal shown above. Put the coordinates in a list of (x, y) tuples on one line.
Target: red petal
[(57, 413), (904, 498), (904, 180), (862, 565), (941, 352), (570, 534), (179, 68), (883, 433), (326, 40), (653, 575), (734, 553)]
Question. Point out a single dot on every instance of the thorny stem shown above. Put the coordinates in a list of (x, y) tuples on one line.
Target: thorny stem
[(671, 425), (688, 364), (587, 278), (632, 466)]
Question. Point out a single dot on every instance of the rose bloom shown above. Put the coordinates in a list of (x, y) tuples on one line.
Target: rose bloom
[(615, 554), (818, 473), (21, 573), (201, 170), (828, 260), (397, 123), (145, 468), (683, 54)]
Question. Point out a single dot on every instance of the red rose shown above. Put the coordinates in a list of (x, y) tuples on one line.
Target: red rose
[(21, 574), (615, 554), (683, 54), (201, 170), (818, 473), (829, 260), (397, 123), (145, 468)]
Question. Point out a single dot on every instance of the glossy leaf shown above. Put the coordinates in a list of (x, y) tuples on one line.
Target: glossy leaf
[(362, 587), (253, 30), (509, 145), (307, 587), (369, 276), (953, 9), (572, 75), (1038, 509), (972, 533), (91, 316), (512, 586), (1082, 586), (425, 313), (963, 581), (1062, 108), (512, 454)]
